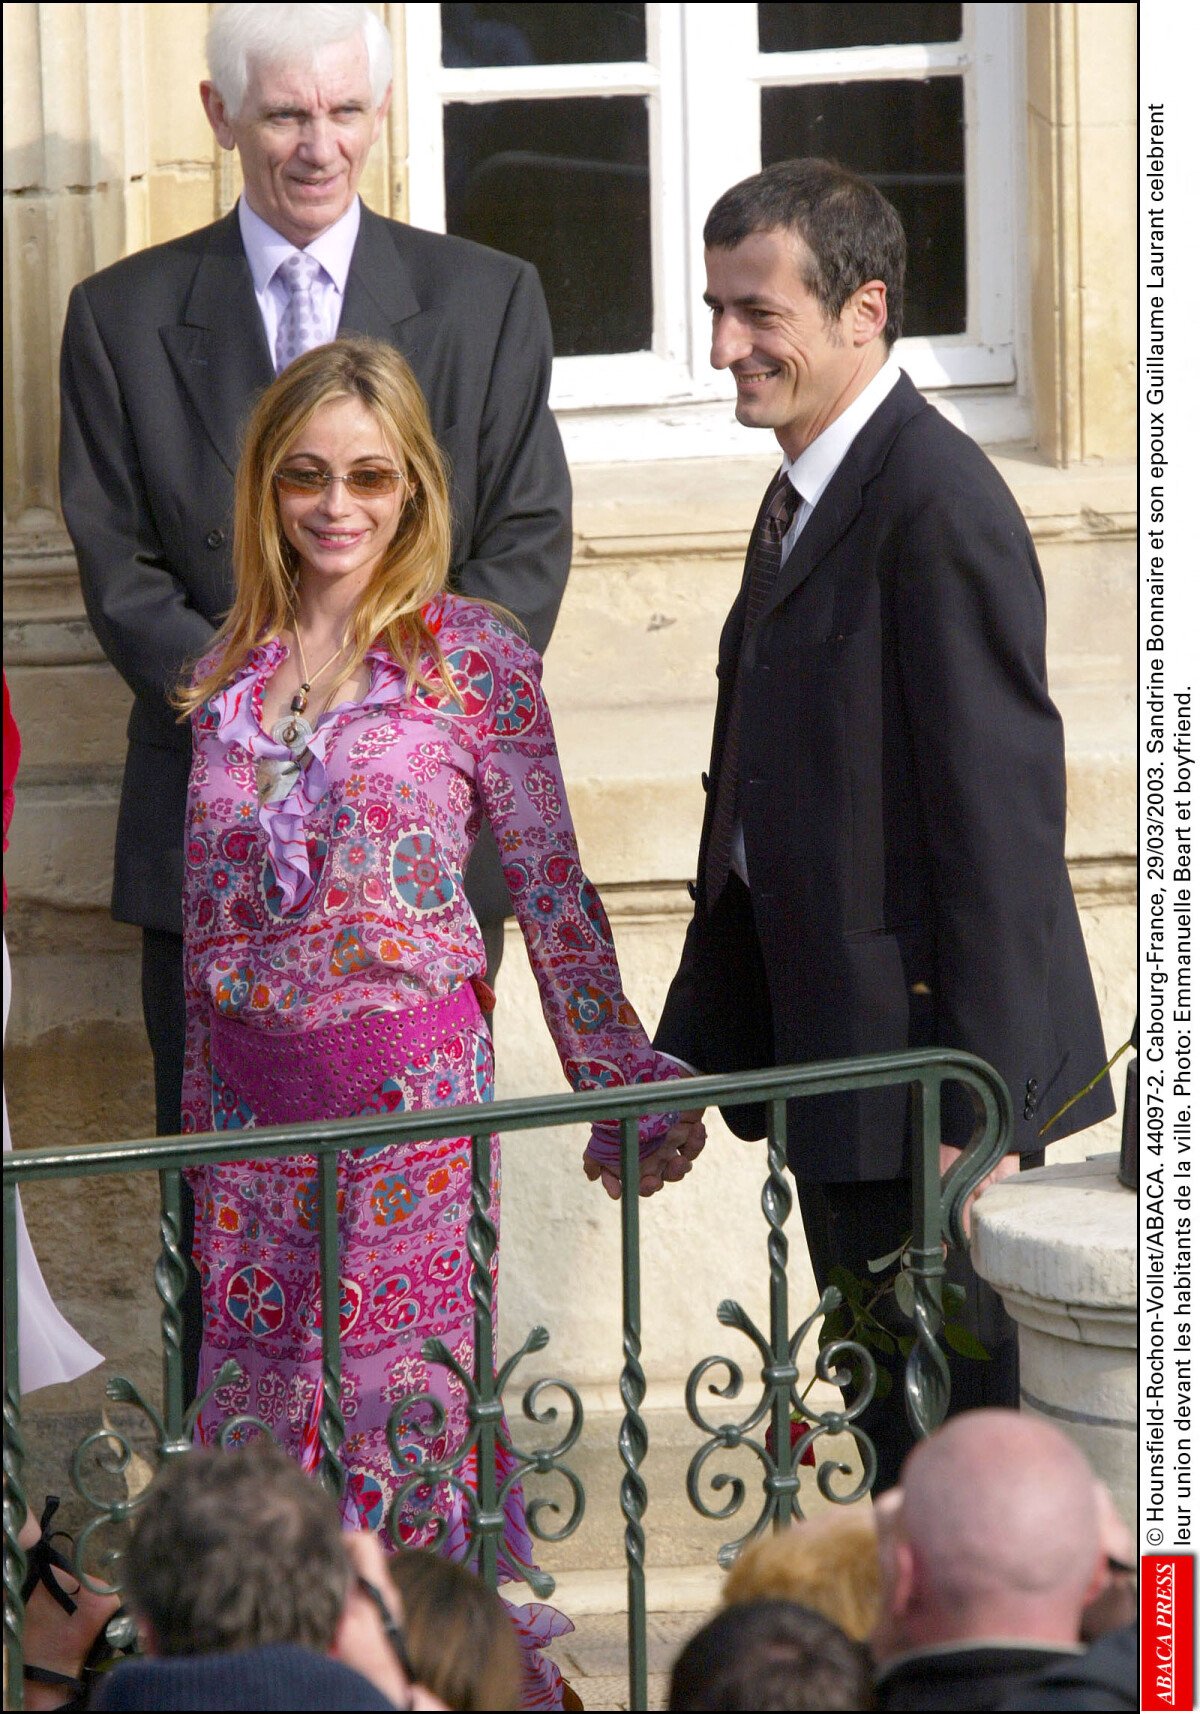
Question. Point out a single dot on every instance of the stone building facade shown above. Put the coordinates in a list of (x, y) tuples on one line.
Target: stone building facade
[(107, 150)]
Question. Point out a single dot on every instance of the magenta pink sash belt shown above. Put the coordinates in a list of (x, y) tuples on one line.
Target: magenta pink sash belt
[(289, 1077)]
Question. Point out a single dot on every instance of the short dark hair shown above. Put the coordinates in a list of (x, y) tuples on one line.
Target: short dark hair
[(235, 1550), (771, 1655), (851, 230)]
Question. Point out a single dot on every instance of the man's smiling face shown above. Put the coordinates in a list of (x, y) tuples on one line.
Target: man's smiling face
[(795, 369), (303, 133)]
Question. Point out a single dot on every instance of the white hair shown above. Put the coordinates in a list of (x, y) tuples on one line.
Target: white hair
[(278, 35)]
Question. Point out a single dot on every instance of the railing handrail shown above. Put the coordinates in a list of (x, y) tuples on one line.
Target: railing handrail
[(527, 1112), (937, 1214)]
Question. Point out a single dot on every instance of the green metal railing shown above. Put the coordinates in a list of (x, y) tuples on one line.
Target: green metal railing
[(937, 1212)]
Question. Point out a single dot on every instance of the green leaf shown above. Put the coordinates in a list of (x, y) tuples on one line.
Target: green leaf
[(848, 1284), (883, 1384), (835, 1326), (880, 1263), (962, 1340), (878, 1339), (953, 1297), (905, 1341), (906, 1293)]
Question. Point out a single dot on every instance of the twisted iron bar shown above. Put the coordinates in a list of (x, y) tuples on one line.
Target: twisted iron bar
[(170, 1282), (633, 1440), (926, 1371), (780, 1374), (481, 1246), (331, 1423)]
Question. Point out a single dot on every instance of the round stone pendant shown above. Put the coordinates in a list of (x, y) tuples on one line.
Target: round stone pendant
[(294, 731)]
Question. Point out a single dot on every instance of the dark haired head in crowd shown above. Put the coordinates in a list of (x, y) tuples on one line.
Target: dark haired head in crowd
[(848, 232), (234, 1550), (461, 1641), (770, 1655), (248, 1594)]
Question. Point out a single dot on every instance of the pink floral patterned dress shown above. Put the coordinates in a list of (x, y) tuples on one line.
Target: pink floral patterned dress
[(343, 898)]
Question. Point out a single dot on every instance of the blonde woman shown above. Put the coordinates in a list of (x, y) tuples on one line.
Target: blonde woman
[(353, 724)]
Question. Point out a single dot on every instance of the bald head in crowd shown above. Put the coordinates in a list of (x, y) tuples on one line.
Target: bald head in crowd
[(996, 1535)]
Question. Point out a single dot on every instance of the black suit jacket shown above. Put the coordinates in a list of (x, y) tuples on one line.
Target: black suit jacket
[(903, 797), (163, 356), (973, 1677)]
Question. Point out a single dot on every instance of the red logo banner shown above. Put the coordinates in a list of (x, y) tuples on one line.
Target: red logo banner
[(1168, 1630)]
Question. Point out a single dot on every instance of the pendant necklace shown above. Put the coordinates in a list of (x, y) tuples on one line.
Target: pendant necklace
[(274, 779), (292, 729)]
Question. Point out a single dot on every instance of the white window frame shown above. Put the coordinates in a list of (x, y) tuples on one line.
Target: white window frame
[(701, 60)]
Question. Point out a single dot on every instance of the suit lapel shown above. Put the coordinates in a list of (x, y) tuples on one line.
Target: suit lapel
[(842, 501), (218, 347), (380, 297)]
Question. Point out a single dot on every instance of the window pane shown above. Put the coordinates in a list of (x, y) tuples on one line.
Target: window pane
[(542, 35), (795, 29), (565, 184), (907, 138)]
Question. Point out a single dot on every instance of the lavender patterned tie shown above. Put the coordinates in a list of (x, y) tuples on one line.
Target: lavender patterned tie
[(299, 326)]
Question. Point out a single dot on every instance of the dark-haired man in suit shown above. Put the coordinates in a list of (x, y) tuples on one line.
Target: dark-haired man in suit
[(165, 352), (882, 860)]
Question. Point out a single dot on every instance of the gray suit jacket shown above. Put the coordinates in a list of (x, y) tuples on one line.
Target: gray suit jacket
[(163, 356)]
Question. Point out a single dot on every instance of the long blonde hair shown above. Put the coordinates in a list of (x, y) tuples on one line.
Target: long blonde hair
[(414, 568)]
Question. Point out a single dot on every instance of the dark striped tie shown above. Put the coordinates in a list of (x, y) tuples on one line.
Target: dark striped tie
[(779, 508)]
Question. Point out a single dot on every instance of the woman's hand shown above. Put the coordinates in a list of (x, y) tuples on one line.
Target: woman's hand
[(667, 1164)]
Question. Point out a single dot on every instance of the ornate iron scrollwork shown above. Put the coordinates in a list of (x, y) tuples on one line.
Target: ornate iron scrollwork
[(486, 1424), (843, 1363), (115, 1452)]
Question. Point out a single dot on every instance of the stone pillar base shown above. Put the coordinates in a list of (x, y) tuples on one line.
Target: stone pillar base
[(1059, 1245)]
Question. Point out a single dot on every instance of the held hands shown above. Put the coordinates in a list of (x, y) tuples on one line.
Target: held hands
[(667, 1164), (948, 1156)]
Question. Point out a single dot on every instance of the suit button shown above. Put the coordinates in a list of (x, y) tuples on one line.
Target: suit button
[(691, 888), (214, 538)]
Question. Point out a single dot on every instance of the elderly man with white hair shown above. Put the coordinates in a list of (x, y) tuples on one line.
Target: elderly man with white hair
[(164, 354), (989, 1553)]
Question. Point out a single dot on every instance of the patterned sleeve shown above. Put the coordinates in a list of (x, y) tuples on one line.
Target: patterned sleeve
[(599, 1036)]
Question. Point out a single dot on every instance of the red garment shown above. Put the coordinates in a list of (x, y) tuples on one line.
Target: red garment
[(12, 761)]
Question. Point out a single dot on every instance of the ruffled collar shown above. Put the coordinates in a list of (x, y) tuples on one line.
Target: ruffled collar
[(233, 716)]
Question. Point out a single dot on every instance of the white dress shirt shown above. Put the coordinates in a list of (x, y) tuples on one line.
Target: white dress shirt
[(810, 474), (266, 249)]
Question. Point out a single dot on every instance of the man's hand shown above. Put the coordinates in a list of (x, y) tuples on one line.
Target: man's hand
[(949, 1156), (670, 1161)]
